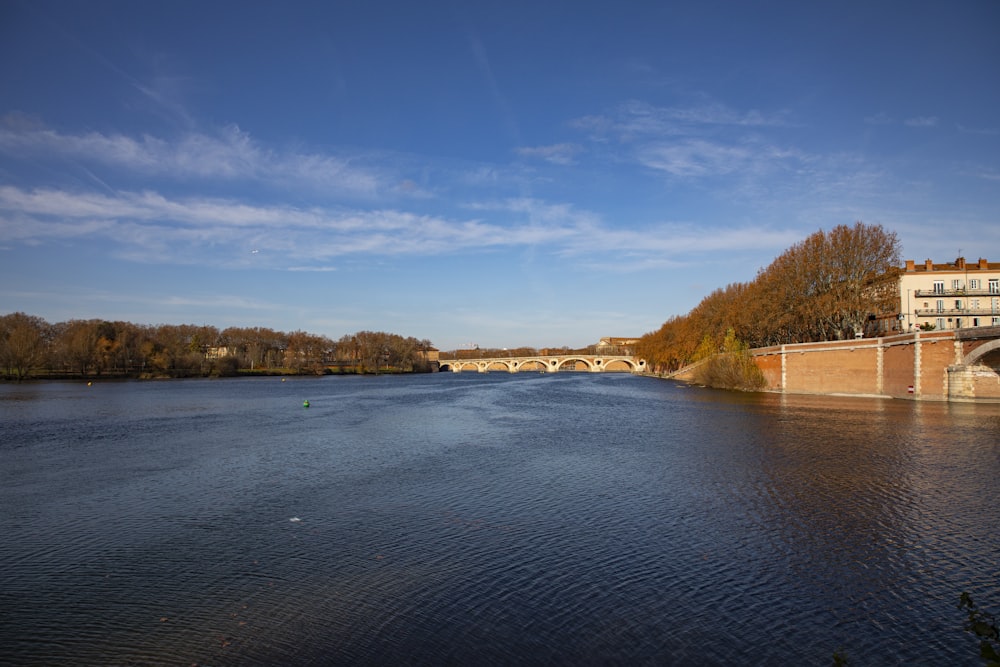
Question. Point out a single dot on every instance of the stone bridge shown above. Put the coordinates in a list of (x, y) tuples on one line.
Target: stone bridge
[(589, 363)]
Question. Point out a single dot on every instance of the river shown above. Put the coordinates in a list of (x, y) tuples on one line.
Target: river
[(458, 519)]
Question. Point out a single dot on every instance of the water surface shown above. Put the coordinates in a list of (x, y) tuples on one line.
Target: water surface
[(489, 519)]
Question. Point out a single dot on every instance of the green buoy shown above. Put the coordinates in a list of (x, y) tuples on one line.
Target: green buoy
[(305, 404)]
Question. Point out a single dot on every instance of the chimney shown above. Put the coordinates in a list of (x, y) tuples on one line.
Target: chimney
[(929, 265), (909, 265), (983, 264), (960, 262)]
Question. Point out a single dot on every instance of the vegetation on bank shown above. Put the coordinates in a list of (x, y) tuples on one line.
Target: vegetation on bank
[(732, 367), (32, 347), (983, 626), (831, 286)]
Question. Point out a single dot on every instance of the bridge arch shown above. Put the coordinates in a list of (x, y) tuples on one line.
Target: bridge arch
[(973, 357), (558, 364), (634, 365)]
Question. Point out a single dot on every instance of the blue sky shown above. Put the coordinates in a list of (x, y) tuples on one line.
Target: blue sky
[(505, 174)]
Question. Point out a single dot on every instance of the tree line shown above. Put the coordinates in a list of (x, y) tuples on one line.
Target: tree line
[(831, 286), (91, 348)]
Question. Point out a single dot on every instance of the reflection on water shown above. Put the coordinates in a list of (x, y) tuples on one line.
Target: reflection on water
[(456, 519)]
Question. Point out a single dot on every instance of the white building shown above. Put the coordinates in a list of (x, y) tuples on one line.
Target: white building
[(949, 296)]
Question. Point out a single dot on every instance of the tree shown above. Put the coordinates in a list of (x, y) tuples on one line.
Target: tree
[(76, 345), (22, 344), (826, 287)]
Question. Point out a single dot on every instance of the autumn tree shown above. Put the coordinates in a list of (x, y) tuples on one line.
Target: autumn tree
[(307, 352), (76, 345), (22, 344), (827, 287)]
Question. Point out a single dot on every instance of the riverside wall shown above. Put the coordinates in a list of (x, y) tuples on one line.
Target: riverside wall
[(919, 365)]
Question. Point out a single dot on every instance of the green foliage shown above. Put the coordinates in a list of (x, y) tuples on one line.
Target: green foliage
[(732, 368), (927, 326), (706, 348), (984, 626)]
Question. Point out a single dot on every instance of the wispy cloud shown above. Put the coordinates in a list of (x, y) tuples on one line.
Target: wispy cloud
[(563, 154), (150, 227), (921, 121), (987, 131), (635, 120), (881, 118), (694, 158), (229, 155)]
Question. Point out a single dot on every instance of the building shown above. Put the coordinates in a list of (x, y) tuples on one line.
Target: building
[(616, 345), (935, 297)]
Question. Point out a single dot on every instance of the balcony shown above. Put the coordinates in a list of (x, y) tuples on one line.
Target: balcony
[(955, 312), (927, 293)]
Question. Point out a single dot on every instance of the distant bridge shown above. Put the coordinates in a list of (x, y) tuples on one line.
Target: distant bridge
[(589, 363)]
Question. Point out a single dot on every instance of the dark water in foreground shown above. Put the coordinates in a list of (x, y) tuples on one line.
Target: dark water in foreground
[(498, 519)]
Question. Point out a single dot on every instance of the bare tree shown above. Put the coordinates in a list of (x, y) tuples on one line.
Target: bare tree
[(22, 344)]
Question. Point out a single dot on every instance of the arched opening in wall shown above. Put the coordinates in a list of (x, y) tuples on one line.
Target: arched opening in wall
[(990, 360), (444, 368), (618, 366), (533, 365), (986, 355)]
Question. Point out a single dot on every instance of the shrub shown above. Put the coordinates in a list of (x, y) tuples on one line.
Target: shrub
[(731, 368)]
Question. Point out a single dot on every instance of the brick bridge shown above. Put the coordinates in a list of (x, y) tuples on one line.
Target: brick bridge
[(592, 363)]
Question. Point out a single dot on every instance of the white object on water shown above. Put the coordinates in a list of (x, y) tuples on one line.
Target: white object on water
[(295, 519)]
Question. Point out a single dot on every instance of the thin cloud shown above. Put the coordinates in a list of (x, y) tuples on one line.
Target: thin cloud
[(881, 118), (694, 158), (635, 119), (921, 121), (987, 131), (561, 154), (230, 155), (151, 227)]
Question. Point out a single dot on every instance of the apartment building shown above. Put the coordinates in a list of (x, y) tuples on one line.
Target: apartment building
[(949, 296)]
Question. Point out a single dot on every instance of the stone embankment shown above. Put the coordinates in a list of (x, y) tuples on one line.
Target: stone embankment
[(958, 365)]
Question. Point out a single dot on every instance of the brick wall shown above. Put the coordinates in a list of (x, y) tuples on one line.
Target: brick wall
[(914, 365)]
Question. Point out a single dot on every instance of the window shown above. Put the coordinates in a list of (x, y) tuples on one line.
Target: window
[(940, 323), (940, 305), (995, 305), (974, 283), (994, 285), (958, 304), (974, 304), (996, 321), (975, 321), (939, 287), (956, 284)]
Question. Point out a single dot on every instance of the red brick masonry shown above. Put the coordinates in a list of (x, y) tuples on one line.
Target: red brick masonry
[(937, 365)]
